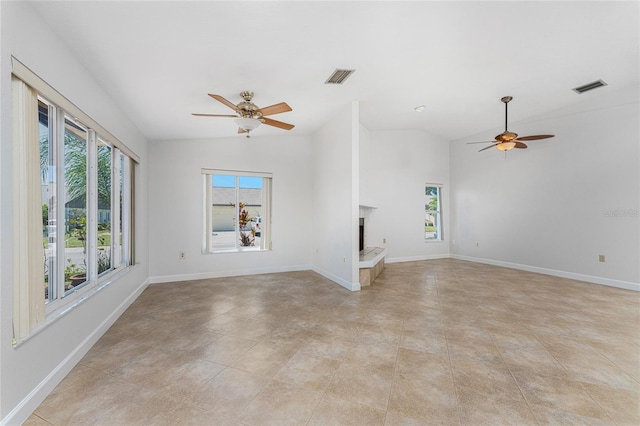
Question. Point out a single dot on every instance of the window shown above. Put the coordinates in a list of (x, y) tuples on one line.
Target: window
[(432, 211), (71, 203), (237, 211)]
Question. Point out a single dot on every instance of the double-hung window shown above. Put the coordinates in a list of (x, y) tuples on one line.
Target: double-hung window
[(432, 212), (236, 211), (72, 203)]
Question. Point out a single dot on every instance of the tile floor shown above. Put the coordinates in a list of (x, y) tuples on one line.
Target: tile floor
[(433, 342)]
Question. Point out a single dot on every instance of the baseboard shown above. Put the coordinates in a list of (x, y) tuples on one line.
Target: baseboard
[(229, 273), (417, 258), (24, 409), (344, 283), (627, 285)]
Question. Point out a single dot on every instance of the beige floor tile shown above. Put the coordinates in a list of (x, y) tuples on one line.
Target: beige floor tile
[(310, 371), (327, 346), (579, 357), (362, 383), (489, 410), (477, 380), (412, 364), (555, 391), (395, 419), (621, 405), (333, 411), (430, 400), (380, 355), (424, 341), (430, 342), (34, 420), (228, 393), (281, 403), (264, 359), (224, 350), (548, 415)]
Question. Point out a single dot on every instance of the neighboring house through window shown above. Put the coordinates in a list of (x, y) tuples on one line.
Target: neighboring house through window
[(237, 210)]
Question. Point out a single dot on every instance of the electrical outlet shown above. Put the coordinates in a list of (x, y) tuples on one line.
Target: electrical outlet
[(384, 241), (344, 260), (601, 258), (181, 255)]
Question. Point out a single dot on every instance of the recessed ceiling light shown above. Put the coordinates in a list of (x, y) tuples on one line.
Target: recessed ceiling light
[(419, 108)]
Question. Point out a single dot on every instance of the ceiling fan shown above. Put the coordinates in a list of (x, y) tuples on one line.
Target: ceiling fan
[(248, 116), (508, 140)]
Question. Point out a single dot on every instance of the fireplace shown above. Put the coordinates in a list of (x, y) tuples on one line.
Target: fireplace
[(361, 233)]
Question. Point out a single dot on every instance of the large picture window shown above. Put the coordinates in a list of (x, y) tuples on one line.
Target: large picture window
[(237, 211), (433, 213), (72, 203)]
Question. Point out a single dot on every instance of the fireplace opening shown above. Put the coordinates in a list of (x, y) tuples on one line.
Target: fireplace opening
[(361, 233)]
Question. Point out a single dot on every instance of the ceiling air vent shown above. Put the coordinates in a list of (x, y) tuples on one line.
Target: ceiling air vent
[(339, 76), (590, 86)]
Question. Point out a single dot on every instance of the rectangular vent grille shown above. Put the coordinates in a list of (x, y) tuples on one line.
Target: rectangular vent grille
[(339, 76), (589, 86)]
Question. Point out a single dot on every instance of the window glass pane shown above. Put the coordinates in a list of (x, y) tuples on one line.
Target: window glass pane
[(75, 233), (236, 212), (223, 200), (119, 231), (47, 177), (104, 207), (432, 226), (249, 212)]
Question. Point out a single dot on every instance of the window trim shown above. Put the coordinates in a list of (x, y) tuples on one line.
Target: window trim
[(43, 88), (207, 220), (61, 108), (440, 231)]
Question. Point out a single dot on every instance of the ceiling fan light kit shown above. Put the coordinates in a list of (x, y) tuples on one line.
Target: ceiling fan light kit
[(246, 123), (507, 140), (249, 116)]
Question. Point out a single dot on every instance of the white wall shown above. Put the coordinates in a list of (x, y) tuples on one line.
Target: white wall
[(175, 205), (396, 165), (546, 208), (30, 371), (335, 201)]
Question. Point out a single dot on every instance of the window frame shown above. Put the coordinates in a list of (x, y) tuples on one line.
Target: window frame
[(437, 213), (266, 243), (60, 301)]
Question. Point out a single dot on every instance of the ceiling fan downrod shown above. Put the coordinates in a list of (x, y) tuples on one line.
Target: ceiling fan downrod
[(506, 100)]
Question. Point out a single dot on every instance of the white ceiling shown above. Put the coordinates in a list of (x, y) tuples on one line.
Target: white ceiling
[(160, 59)]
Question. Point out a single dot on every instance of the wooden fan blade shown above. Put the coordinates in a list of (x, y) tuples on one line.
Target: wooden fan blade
[(471, 143), (520, 145), (276, 123), (274, 109), (224, 101), (490, 146), (214, 115), (534, 137)]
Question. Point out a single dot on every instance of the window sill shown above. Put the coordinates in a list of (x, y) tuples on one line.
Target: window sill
[(246, 250), (83, 294)]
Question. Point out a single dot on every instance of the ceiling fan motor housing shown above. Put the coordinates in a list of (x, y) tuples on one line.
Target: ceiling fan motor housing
[(506, 136)]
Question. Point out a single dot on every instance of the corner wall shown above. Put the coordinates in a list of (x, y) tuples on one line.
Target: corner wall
[(556, 206), (175, 205), (30, 371), (395, 165), (335, 199)]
